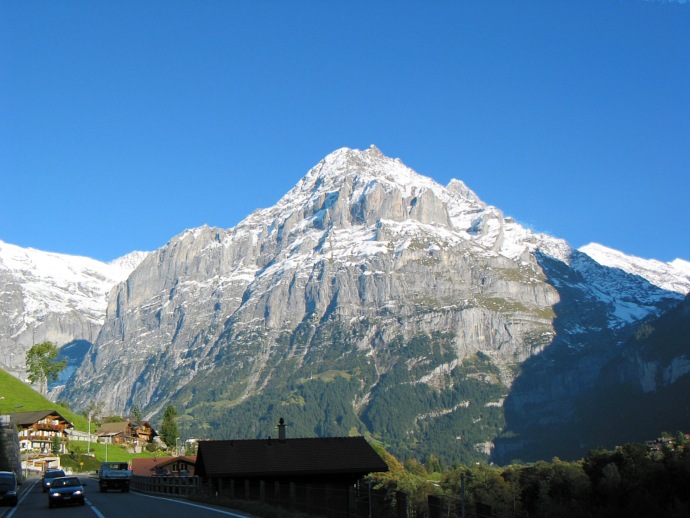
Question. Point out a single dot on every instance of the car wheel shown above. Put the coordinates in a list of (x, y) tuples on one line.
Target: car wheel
[(50, 505)]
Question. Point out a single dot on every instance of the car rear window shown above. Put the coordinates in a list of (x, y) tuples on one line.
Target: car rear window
[(118, 466)]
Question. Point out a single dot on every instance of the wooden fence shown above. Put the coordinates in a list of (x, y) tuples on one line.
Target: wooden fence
[(360, 501), (319, 499), (180, 486)]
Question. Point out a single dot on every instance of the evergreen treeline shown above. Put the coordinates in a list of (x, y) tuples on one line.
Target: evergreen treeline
[(628, 481)]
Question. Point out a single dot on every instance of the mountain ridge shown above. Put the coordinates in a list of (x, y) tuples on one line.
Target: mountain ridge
[(672, 276), (371, 291)]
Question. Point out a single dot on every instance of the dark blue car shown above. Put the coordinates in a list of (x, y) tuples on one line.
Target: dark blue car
[(66, 490), (8, 488), (48, 477)]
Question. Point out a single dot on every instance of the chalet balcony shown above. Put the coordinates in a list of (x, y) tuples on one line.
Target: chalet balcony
[(38, 438), (50, 427)]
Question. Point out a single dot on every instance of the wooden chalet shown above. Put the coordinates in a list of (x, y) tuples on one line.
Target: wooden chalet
[(144, 432), (302, 474), (120, 432), (127, 433), (37, 430)]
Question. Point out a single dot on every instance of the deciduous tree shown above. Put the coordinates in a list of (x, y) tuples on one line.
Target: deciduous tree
[(43, 366)]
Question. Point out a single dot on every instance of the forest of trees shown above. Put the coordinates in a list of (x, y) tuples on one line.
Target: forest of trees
[(628, 481), (451, 417)]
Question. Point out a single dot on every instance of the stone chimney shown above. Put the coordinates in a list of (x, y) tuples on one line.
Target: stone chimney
[(281, 430)]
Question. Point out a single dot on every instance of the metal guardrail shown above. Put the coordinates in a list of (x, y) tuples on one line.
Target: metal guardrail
[(180, 486)]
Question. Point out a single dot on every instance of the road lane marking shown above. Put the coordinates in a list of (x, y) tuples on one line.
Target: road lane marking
[(21, 499), (184, 502), (93, 508)]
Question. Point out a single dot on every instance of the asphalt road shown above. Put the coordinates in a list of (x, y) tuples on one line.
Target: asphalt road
[(33, 503)]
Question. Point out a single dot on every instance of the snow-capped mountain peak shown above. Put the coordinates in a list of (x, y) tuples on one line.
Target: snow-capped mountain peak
[(54, 282), (364, 268), (56, 297), (673, 276), (350, 188), (358, 171)]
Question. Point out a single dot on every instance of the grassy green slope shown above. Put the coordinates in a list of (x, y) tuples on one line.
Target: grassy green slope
[(17, 396), (20, 397)]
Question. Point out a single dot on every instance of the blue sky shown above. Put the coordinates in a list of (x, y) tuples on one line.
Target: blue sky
[(124, 123)]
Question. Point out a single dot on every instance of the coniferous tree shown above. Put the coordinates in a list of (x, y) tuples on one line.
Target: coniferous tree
[(55, 445), (169, 430)]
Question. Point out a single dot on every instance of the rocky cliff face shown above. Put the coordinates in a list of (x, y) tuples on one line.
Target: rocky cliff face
[(621, 388), (52, 297), (366, 277), (361, 236), (658, 354)]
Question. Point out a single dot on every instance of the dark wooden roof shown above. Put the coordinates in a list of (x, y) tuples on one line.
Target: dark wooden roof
[(290, 457), (29, 418), (115, 428)]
